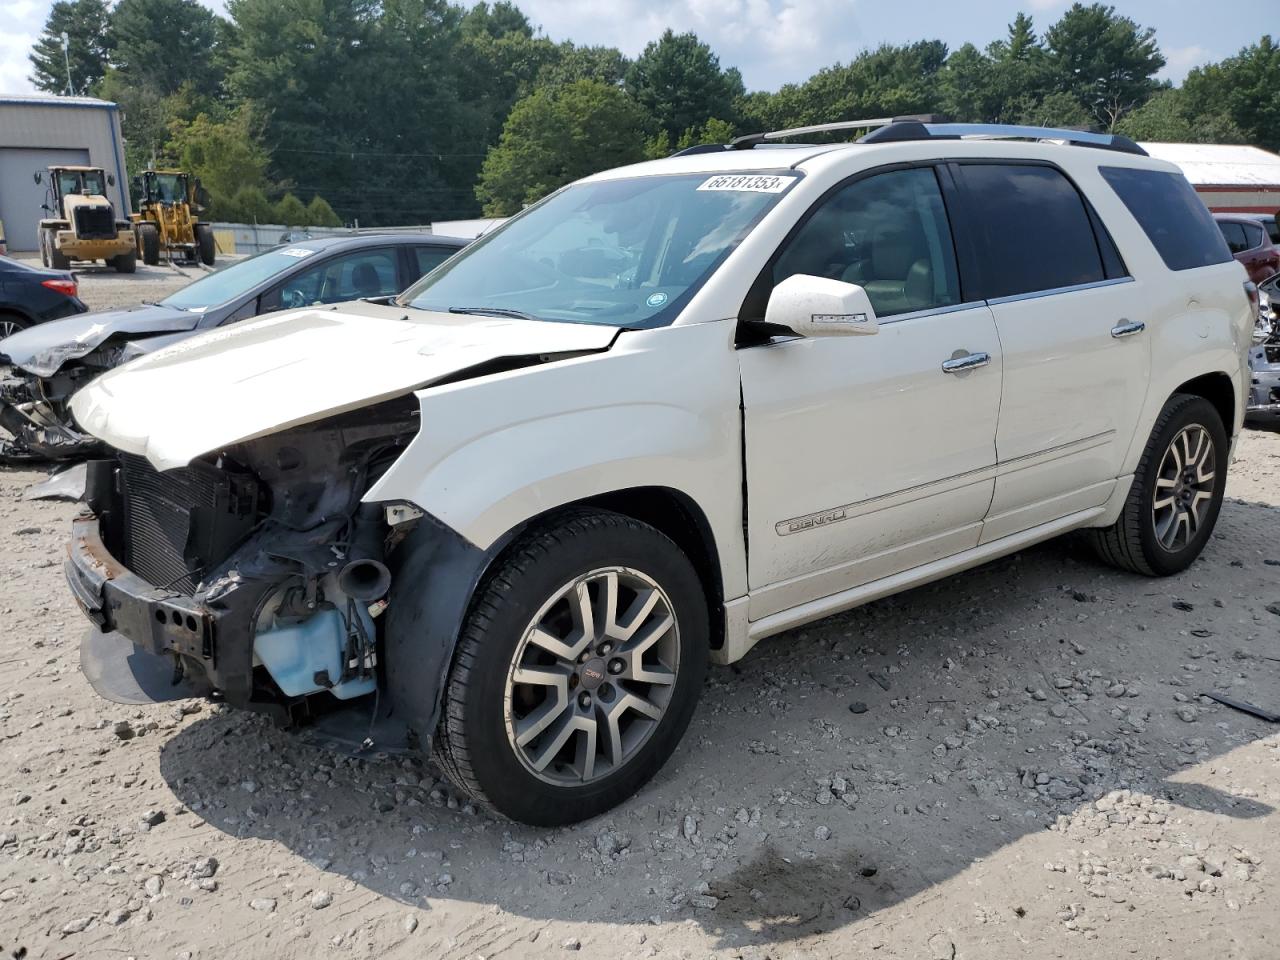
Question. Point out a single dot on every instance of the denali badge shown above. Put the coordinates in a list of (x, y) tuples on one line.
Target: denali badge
[(839, 318), (800, 524)]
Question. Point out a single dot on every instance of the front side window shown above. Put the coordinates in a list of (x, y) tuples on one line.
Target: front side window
[(1033, 231), (354, 276), (627, 253), (1171, 214), (887, 233), (237, 279)]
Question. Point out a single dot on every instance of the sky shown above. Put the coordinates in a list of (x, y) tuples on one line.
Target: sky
[(779, 41)]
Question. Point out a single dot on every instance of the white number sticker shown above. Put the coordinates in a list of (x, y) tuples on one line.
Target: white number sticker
[(748, 182), (298, 252)]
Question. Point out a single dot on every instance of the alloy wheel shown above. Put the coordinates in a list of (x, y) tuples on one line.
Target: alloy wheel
[(1185, 486), (8, 328), (592, 676)]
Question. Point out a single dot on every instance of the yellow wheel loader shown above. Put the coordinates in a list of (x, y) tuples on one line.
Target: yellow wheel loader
[(80, 222), (167, 220)]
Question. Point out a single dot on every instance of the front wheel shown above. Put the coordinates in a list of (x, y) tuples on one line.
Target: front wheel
[(577, 671), (1176, 494)]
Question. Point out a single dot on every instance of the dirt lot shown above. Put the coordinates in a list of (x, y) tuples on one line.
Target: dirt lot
[(1013, 763)]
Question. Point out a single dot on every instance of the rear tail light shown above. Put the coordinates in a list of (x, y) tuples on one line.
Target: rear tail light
[(69, 288)]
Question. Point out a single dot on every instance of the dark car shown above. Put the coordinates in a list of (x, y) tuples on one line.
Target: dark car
[(51, 362), (1250, 244), (31, 295)]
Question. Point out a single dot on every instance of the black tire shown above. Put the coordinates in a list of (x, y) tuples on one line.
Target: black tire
[(204, 241), (149, 243), (57, 260), (44, 249), (126, 262), (1131, 543), (472, 745)]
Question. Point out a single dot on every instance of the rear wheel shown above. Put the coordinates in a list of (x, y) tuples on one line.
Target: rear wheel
[(11, 323), (577, 671), (1176, 494), (149, 242), (204, 241)]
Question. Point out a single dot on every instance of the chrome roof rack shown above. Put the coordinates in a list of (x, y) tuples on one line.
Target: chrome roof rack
[(932, 127)]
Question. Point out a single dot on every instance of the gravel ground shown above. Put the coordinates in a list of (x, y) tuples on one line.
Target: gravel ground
[(1012, 763)]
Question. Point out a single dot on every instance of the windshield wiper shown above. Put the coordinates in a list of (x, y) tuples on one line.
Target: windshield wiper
[(494, 312)]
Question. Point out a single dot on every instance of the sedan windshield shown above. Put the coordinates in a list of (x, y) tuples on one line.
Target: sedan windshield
[(626, 253), (235, 280)]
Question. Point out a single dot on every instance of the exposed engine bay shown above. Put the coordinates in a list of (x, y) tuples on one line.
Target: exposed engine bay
[(264, 574)]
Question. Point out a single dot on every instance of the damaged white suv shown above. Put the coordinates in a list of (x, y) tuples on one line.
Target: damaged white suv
[(664, 413)]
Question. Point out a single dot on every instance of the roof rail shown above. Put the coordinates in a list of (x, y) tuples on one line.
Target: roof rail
[(755, 139), (1001, 131)]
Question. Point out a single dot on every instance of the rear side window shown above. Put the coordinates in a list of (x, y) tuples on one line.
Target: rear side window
[(1233, 233), (428, 258), (1273, 229), (1033, 230), (1173, 217), (1253, 234)]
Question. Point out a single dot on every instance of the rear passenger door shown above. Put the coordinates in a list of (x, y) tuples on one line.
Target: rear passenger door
[(1071, 323)]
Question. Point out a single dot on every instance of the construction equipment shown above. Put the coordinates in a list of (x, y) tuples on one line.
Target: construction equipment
[(81, 223), (167, 220)]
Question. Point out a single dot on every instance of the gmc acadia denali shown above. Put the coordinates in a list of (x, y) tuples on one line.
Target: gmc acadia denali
[(668, 411)]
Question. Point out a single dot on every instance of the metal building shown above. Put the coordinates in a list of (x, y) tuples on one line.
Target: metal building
[(1229, 179), (42, 130)]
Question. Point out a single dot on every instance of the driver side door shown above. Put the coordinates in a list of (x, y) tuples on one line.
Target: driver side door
[(349, 276), (867, 456)]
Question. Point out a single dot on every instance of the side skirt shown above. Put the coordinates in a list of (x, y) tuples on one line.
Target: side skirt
[(741, 635)]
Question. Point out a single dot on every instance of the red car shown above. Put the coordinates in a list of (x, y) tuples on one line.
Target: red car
[(1250, 244)]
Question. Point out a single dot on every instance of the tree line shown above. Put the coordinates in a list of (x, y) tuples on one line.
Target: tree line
[(405, 111)]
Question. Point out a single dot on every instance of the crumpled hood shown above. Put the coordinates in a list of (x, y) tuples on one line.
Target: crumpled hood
[(262, 376), (44, 348)]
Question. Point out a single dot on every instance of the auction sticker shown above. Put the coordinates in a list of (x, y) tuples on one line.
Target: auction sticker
[(298, 252), (656, 299), (748, 183)]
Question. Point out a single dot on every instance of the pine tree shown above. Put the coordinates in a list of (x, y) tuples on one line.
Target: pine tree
[(86, 25)]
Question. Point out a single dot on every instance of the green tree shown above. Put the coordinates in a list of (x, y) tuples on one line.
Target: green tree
[(320, 214), (86, 24), (292, 212), (1169, 117), (556, 135), (1243, 88), (606, 64), (226, 155), (163, 45), (679, 81), (1106, 61), (252, 206)]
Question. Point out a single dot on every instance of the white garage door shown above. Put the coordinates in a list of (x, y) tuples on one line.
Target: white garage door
[(21, 196)]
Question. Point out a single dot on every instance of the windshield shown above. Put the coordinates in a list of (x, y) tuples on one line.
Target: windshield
[(169, 188), (78, 181), (619, 252), (236, 280)]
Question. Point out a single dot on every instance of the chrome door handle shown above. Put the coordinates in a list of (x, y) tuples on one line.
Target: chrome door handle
[(970, 361), (1127, 329)]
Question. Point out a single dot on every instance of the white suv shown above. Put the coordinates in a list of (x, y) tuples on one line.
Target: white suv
[(664, 413)]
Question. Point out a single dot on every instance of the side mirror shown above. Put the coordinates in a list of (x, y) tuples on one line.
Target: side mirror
[(39, 176), (136, 183), (818, 307), (111, 179)]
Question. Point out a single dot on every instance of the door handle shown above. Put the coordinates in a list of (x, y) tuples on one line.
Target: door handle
[(970, 361), (1122, 330)]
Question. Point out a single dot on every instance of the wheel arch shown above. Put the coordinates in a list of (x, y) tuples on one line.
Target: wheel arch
[(1220, 391), (438, 572)]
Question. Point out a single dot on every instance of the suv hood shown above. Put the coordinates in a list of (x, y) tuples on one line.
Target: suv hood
[(262, 376), (43, 349)]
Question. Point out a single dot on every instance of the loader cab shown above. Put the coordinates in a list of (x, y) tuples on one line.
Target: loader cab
[(67, 182)]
